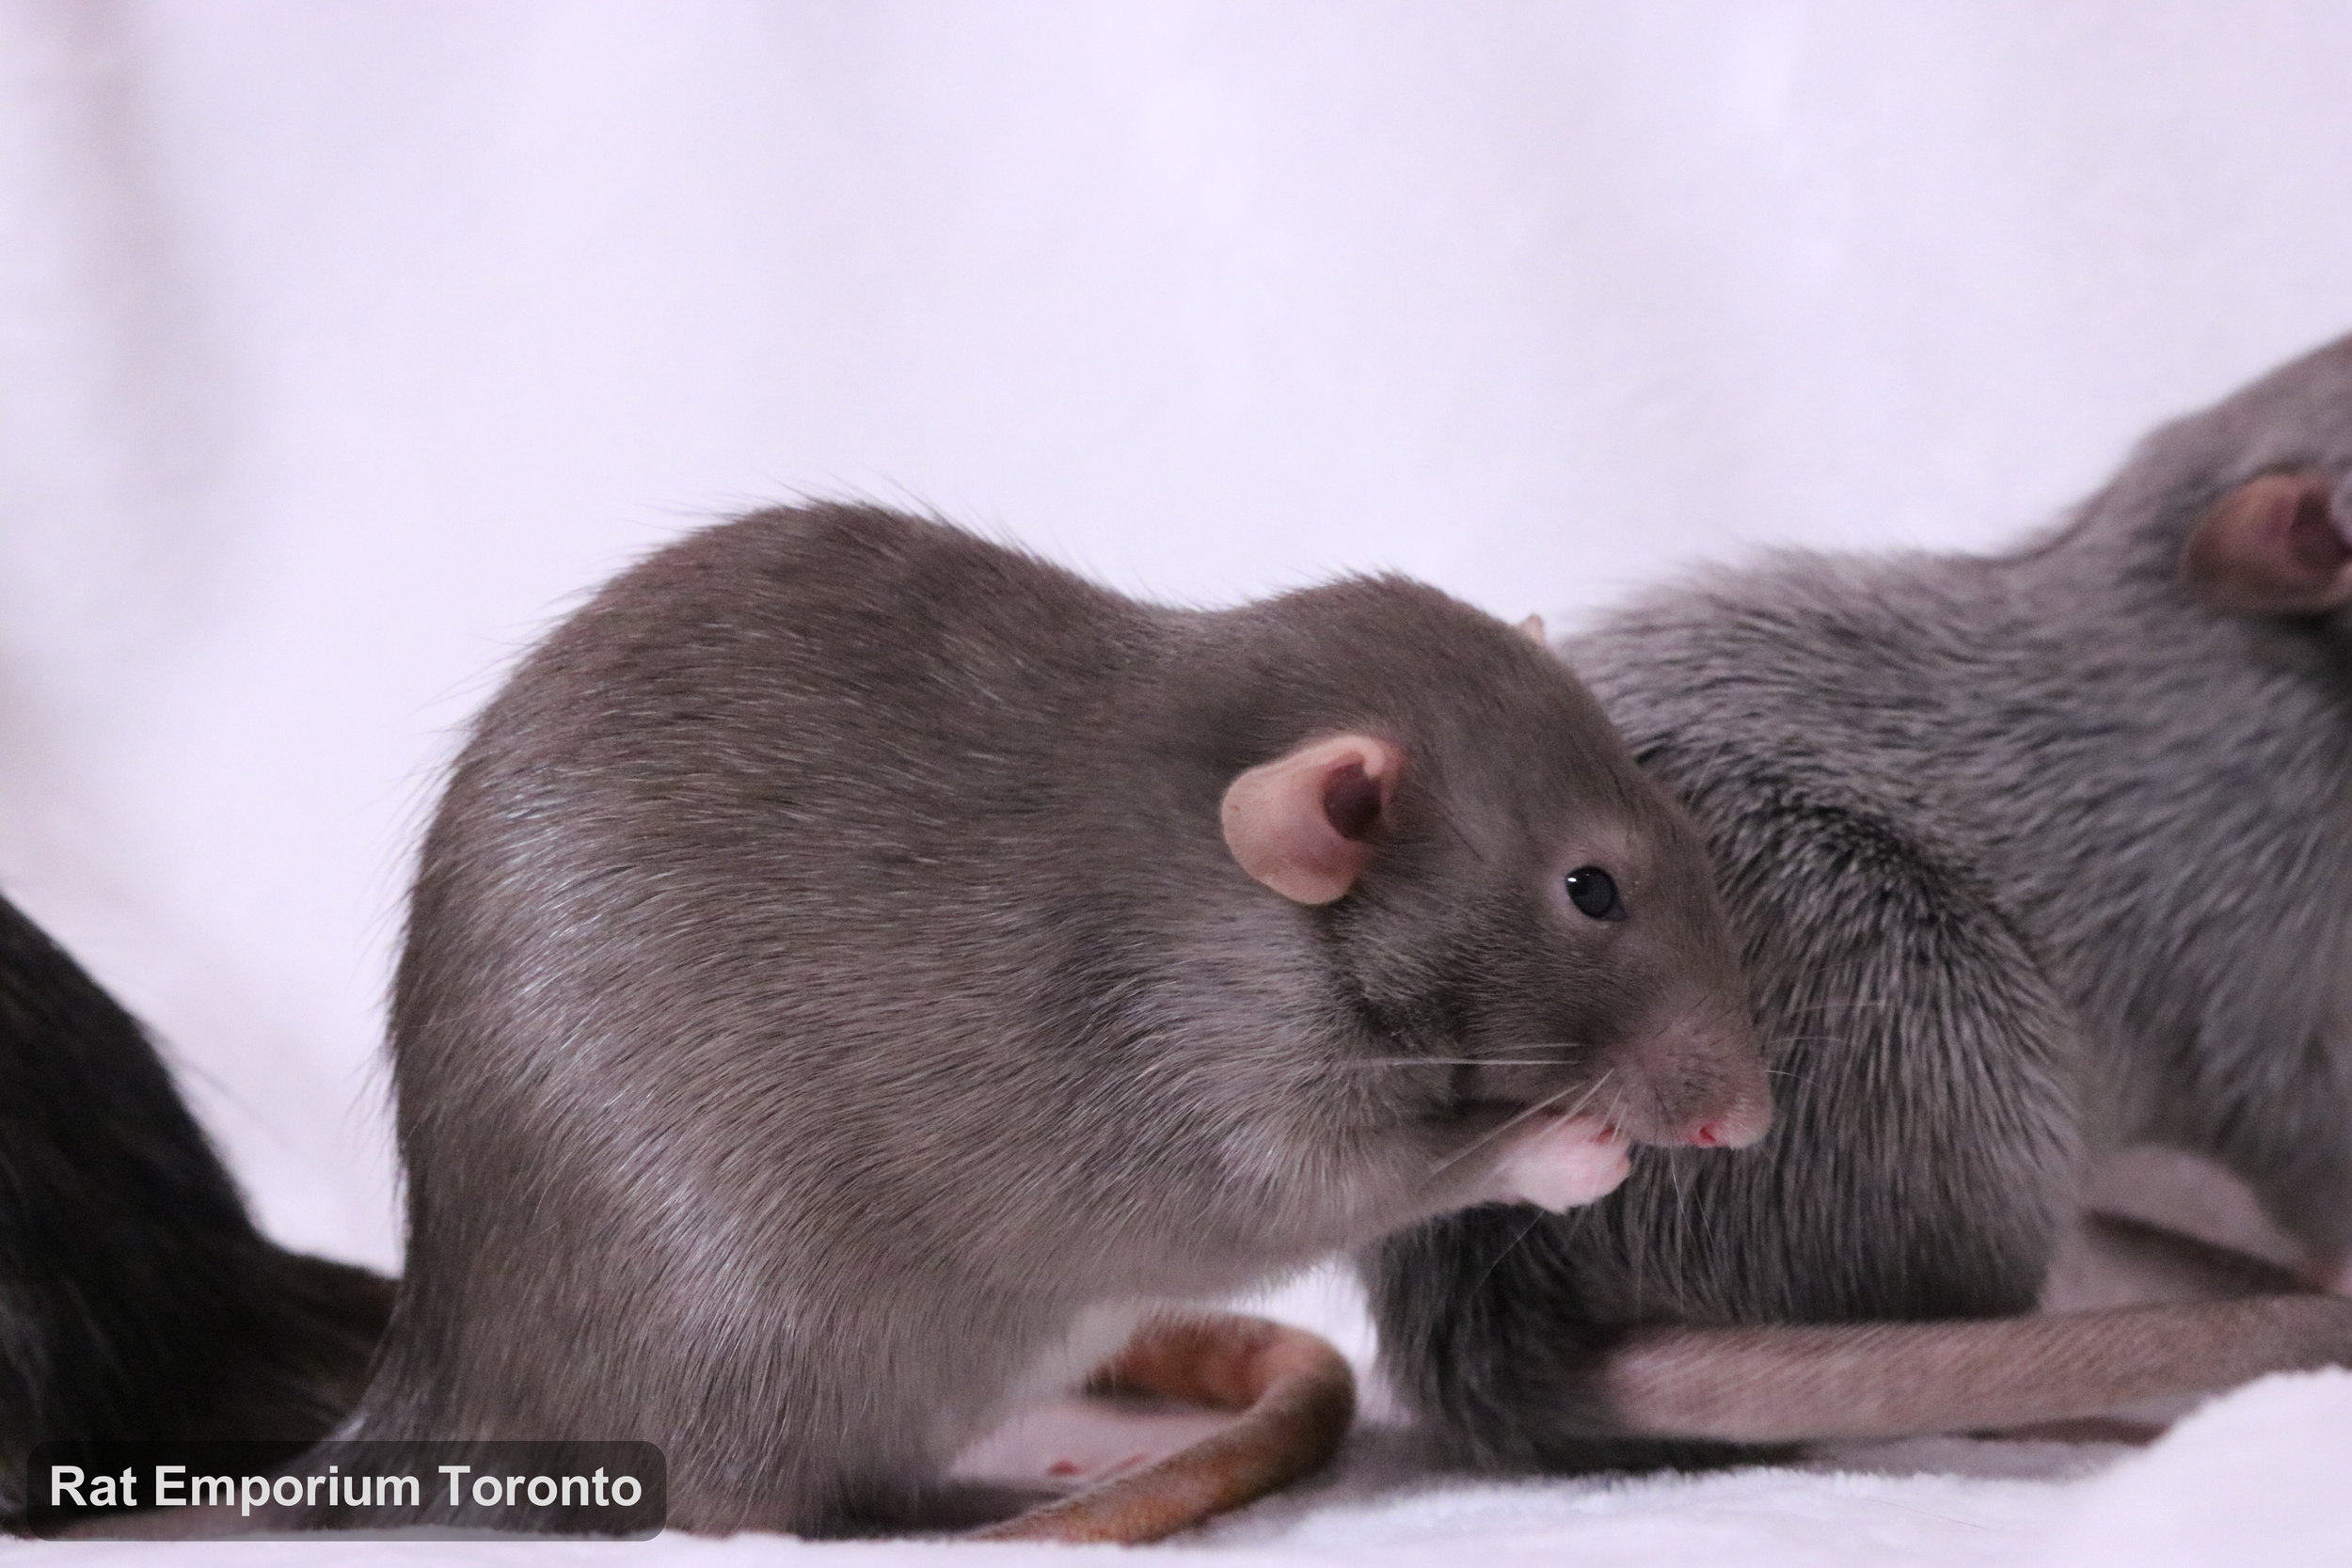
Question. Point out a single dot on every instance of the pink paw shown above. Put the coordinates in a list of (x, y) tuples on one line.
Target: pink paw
[(1562, 1162)]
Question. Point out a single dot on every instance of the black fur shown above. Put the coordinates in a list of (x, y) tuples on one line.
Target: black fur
[(136, 1299)]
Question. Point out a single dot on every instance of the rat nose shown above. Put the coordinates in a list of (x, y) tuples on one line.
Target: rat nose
[(1711, 1088), (1736, 1127)]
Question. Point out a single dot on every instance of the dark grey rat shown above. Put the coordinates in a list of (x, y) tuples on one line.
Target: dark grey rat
[(858, 969), (2031, 856)]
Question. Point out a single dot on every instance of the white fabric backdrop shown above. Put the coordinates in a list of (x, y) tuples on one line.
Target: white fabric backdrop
[(343, 344)]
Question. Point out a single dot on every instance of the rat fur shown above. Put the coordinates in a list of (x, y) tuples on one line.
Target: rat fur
[(844, 961), (2031, 856), (136, 1298)]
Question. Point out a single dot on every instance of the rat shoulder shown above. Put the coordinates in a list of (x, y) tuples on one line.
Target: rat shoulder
[(1800, 662)]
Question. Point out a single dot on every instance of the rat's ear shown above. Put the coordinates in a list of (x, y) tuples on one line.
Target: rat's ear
[(1532, 629), (2272, 547), (1302, 824)]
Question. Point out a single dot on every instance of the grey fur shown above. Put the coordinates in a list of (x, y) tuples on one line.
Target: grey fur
[(826, 980), (2031, 856)]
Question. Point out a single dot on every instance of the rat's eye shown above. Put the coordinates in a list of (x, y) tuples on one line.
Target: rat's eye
[(1594, 893)]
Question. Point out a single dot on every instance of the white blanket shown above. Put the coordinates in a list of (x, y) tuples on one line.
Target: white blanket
[(2256, 1478)]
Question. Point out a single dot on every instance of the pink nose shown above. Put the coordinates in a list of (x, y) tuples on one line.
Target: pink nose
[(1741, 1127)]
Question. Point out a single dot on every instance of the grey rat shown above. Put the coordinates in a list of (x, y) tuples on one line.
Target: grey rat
[(2031, 856), (136, 1298), (852, 961)]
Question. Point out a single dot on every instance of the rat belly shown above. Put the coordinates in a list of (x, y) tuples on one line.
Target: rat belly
[(1563, 1163)]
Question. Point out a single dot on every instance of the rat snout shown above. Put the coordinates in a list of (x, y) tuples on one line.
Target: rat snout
[(1708, 1086), (1740, 1125), (1566, 1129)]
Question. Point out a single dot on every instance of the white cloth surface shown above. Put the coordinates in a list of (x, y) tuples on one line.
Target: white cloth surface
[(2254, 1478), (341, 346)]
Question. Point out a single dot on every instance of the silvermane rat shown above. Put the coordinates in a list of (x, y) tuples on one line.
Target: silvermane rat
[(2031, 856), (857, 971)]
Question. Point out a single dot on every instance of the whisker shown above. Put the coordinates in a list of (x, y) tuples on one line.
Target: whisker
[(1458, 1061), (1640, 1256), (1534, 1110), (1495, 1263), (1679, 1220), (1851, 1004), (1564, 1046)]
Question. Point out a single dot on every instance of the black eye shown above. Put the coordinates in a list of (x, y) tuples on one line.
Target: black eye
[(1594, 893)]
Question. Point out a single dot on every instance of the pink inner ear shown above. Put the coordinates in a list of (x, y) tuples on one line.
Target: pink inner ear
[(1351, 801), (2271, 546), (1300, 823), (2312, 539)]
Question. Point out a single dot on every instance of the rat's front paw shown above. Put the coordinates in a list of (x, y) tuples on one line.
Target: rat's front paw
[(1562, 1162)]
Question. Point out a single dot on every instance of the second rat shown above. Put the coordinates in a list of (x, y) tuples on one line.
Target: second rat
[(2033, 856)]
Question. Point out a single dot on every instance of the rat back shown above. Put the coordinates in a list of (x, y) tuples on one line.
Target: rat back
[(2030, 856), (729, 861)]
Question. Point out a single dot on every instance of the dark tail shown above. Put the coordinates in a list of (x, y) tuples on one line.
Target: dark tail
[(136, 1299)]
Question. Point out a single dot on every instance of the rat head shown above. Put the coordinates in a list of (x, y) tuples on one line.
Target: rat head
[(2248, 504), (1524, 929)]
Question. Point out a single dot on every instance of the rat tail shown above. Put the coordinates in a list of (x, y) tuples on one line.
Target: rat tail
[(1774, 1384), (1297, 1397), (136, 1299), (2218, 1319), (2213, 1319)]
